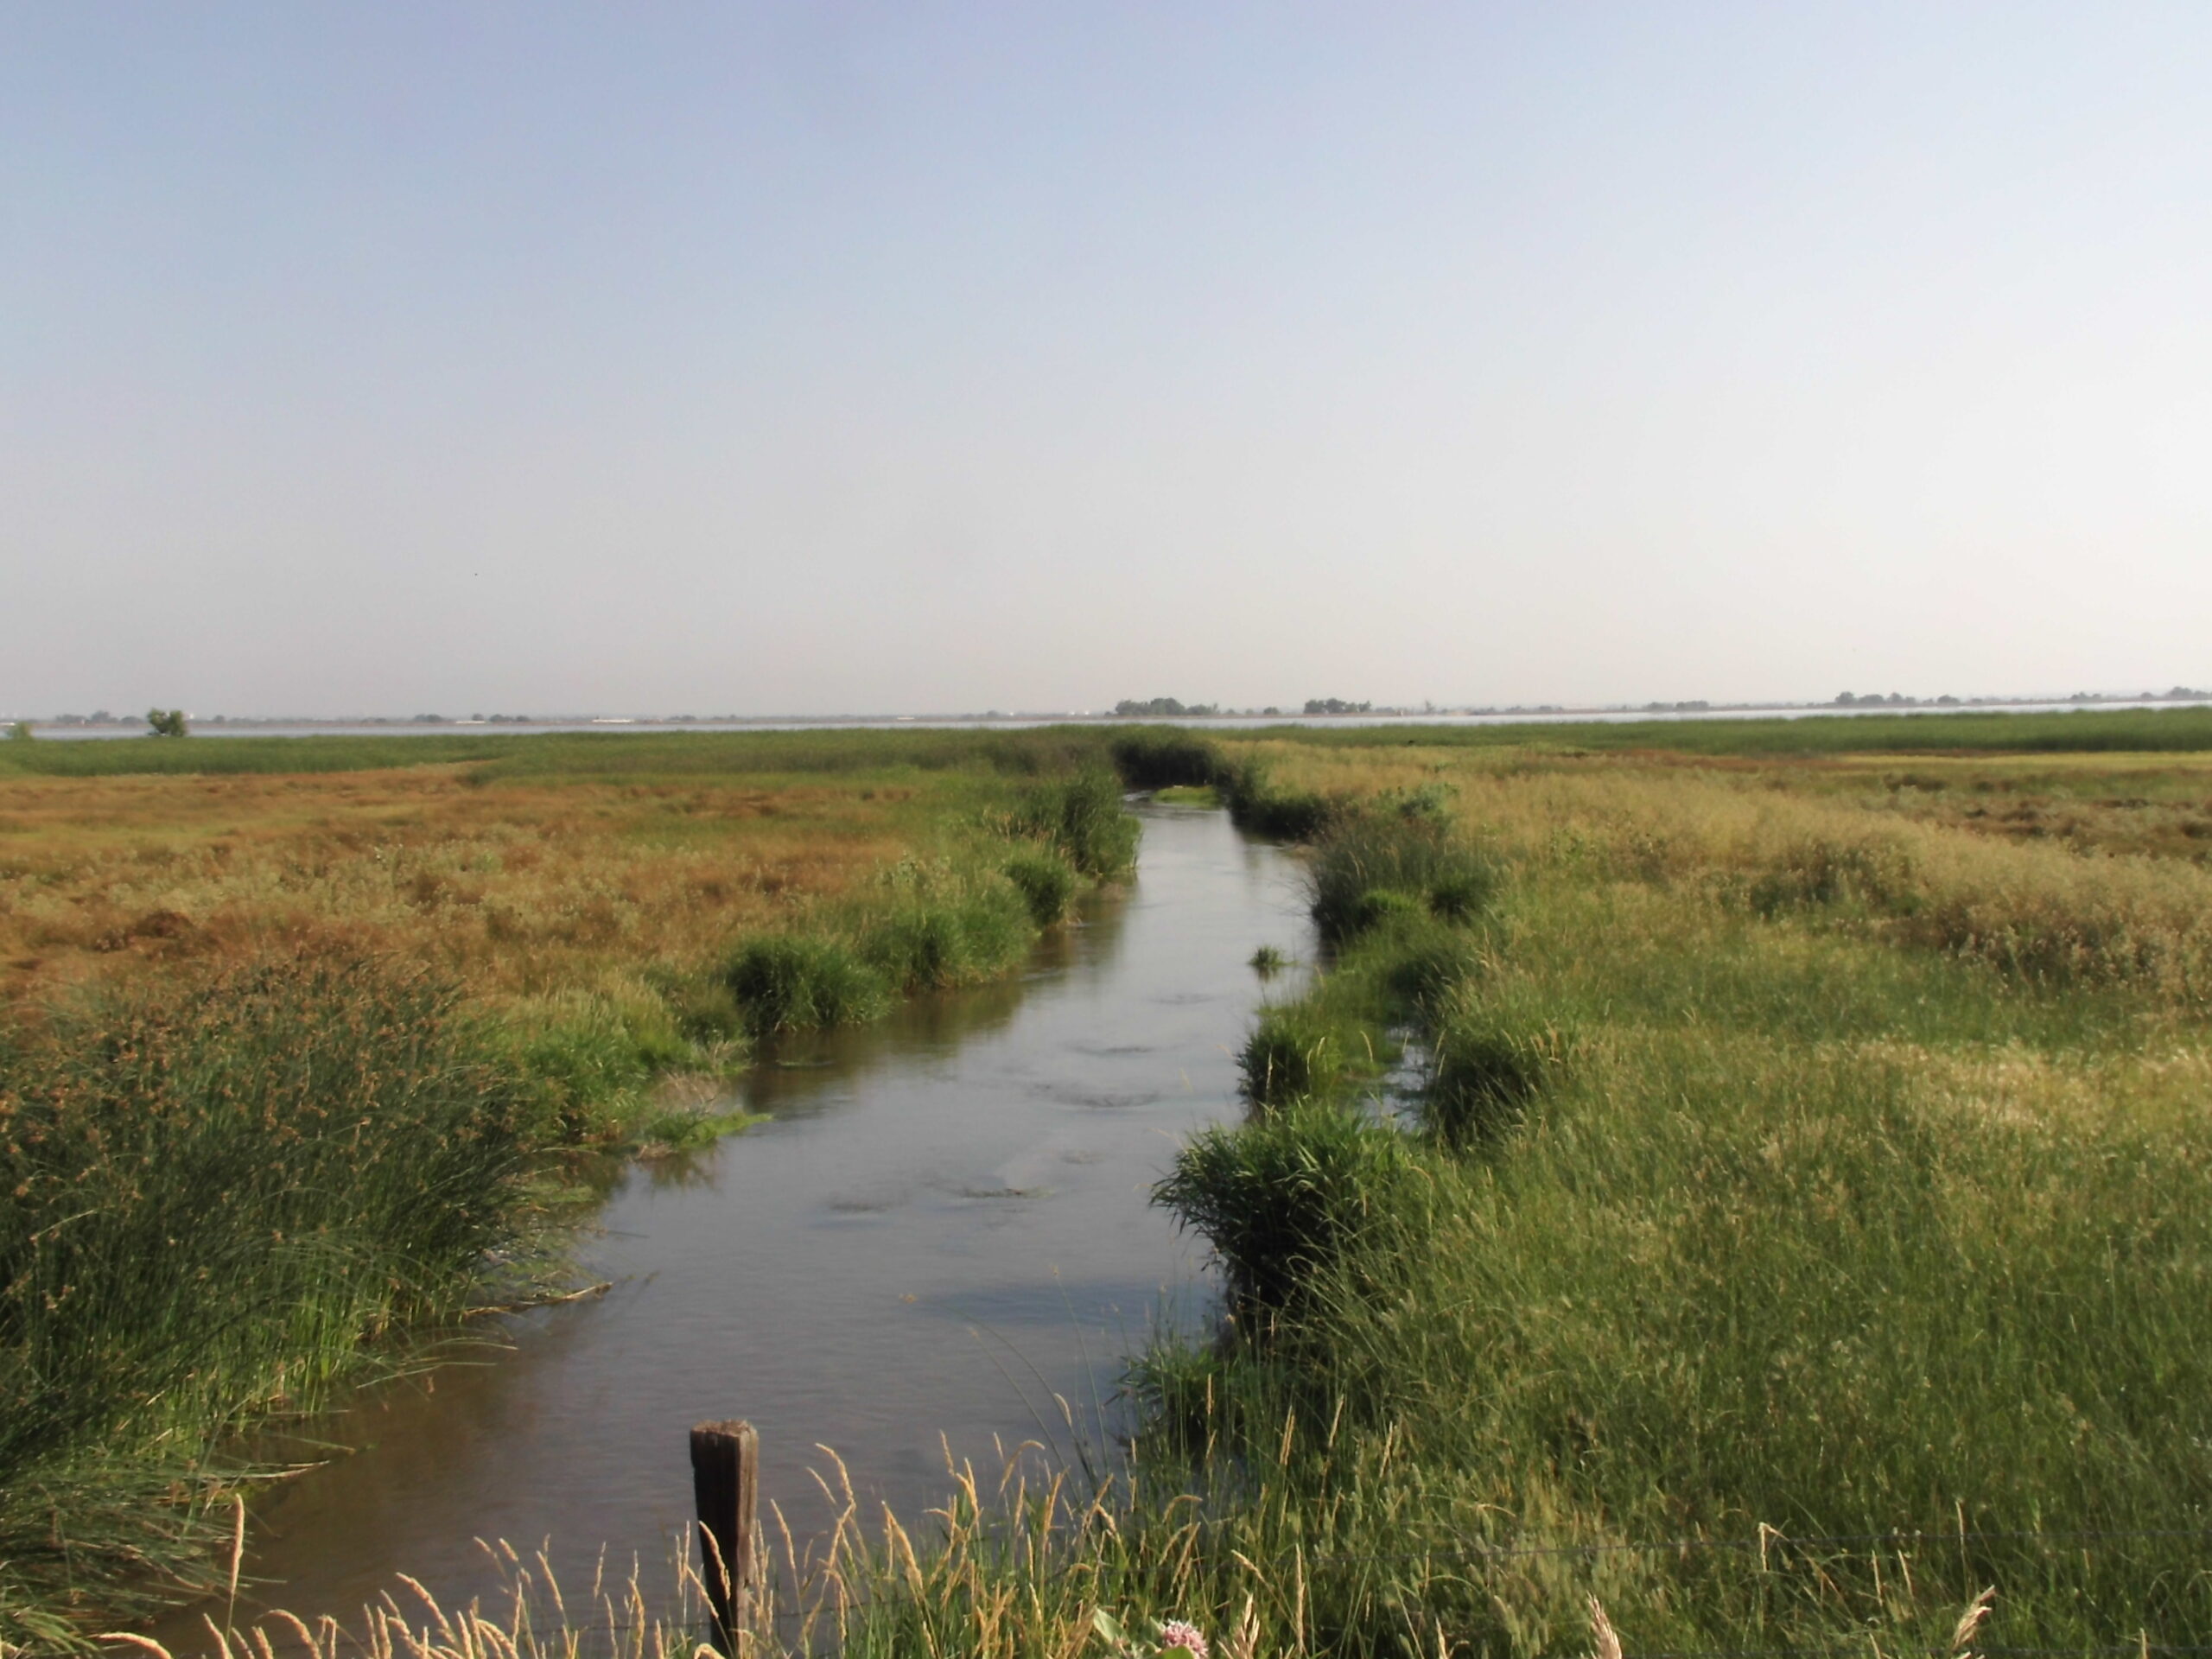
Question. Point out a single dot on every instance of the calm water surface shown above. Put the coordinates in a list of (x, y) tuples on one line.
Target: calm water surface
[(943, 1225)]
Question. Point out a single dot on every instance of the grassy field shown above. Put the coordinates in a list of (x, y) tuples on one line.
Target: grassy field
[(1799, 1223), (1764, 1189), (306, 1048)]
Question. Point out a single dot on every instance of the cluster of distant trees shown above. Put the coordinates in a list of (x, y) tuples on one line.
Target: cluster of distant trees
[(1137, 707), (1895, 700), (1133, 707)]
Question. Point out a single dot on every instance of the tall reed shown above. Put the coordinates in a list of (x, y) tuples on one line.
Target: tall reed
[(210, 1199)]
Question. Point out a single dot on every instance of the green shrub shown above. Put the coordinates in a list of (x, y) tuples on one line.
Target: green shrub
[(1167, 759), (1084, 819), (1368, 867), (928, 944), (1293, 1052), (1047, 884), (1280, 1198), (796, 983), (1483, 1073)]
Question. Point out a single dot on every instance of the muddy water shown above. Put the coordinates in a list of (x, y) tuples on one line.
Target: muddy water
[(942, 1227)]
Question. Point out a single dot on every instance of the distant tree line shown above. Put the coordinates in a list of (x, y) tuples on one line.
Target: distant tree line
[(1138, 707), (1133, 707)]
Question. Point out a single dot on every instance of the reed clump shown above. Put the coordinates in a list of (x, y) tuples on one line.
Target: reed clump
[(1391, 862), (1083, 819), (803, 984), (1280, 1198), (1048, 885), (1483, 1072), (923, 926), (1293, 1050), (210, 1199)]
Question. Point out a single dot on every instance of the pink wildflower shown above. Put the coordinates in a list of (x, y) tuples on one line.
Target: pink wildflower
[(1177, 1634)]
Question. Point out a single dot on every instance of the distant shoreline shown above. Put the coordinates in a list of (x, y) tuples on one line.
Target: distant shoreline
[(66, 726)]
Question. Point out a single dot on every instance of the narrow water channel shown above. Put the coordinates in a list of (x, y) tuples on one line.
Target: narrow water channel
[(943, 1225)]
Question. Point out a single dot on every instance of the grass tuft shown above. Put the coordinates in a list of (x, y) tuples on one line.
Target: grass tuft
[(1083, 817), (1295, 1050), (800, 984), (1483, 1073), (1371, 867), (1047, 883), (209, 1199), (1282, 1197)]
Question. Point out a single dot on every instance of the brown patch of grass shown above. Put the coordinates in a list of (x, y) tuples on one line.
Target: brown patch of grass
[(519, 888)]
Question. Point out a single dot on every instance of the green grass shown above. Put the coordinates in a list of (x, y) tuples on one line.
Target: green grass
[(1779, 1275), (1041, 753), (1761, 1168), (2176, 730), (236, 1194), (1720, 1228), (1146, 757), (1293, 1052), (1374, 866), (216, 1203), (1047, 883), (1281, 1199), (1083, 820)]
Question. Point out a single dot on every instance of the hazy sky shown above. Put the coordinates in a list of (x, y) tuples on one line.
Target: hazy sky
[(805, 357)]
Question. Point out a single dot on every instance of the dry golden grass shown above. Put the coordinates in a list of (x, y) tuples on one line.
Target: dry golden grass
[(521, 889), (2107, 903), (2016, 1088)]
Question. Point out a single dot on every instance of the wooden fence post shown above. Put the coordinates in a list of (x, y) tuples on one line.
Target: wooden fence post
[(725, 1482)]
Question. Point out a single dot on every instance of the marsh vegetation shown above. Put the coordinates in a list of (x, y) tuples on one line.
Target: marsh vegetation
[(1766, 1189), (301, 1067)]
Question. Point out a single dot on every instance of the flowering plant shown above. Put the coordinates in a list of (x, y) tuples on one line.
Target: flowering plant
[(1174, 1636), (1179, 1639)]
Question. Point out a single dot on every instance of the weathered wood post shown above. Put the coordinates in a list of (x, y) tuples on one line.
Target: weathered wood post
[(725, 1482)]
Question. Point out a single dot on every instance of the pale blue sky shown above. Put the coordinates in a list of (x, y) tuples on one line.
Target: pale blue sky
[(812, 358)]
